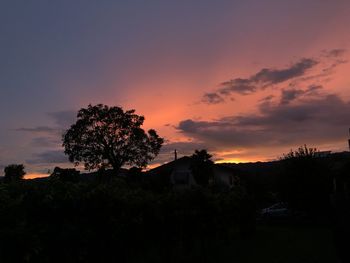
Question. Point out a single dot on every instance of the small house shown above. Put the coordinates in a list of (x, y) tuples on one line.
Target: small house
[(180, 174)]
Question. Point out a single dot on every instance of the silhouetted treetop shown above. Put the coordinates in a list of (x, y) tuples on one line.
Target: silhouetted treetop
[(202, 167), (14, 172), (106, 136), (305, 181), (202, 156), (301, 152)]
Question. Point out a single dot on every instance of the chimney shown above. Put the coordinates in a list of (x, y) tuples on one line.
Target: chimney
[(175, 152)]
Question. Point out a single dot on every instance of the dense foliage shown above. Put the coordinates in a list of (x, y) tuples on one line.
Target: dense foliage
[(59, 221), (102, 217), (110, 137)]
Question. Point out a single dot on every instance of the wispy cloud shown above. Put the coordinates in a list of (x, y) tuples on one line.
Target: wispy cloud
[(38, 129), (64, 119), (49, 157), (212, 98), (46, 142), (48, 139), (296, 74)]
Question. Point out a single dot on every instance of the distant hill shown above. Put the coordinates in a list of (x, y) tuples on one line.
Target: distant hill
[(274, 166)]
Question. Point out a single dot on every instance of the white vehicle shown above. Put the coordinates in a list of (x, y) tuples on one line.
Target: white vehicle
[(278, 210)]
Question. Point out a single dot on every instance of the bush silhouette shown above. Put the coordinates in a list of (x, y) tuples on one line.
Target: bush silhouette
[(14, 172), (62, 221), (305, 181)]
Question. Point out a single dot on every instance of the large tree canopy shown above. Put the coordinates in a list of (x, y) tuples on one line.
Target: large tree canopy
[(109, 137)]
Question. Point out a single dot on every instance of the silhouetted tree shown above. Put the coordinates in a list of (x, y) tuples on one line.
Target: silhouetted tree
[(110, 137), (305, 182), (202, 167), (14, 172)]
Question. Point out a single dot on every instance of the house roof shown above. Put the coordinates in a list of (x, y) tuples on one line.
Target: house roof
[(184, 161), (168, 167)]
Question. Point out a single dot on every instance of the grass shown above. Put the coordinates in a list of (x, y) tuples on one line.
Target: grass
[(282, 244), (270, 244)]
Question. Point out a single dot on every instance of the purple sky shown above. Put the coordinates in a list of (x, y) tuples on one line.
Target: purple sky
[(247, 80)]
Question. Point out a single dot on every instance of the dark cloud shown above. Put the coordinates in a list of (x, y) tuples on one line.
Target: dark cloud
[(273, 76), (318, 119), (241, 86), (296, 75), (212, 98), (267, 98), (314, 89), (291, 94), (264, 78), (334, 53), (222, 133), (49, 157)]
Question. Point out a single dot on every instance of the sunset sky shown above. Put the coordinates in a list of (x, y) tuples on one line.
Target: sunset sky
[(247, 80)]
